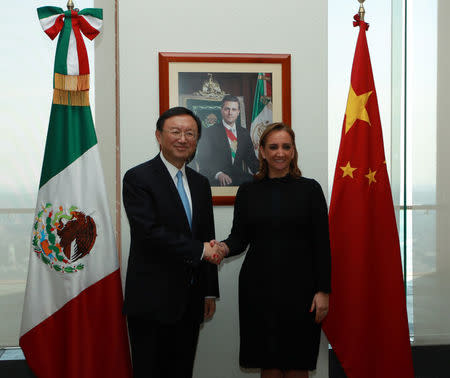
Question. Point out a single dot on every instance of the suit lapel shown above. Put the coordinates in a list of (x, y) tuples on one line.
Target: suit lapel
[(223, 138), (240, 144), (195, 197)]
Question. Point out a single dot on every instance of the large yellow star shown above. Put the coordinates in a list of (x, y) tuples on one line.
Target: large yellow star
[(371, 176), (356, 108), (348, 170)]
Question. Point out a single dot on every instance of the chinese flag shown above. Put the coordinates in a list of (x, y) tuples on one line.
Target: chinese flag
[(367, 324)]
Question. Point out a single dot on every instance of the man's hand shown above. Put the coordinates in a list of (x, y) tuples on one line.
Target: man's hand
[(213, 253), (210, 307), (320, 304), (224, 179), (223, 247)]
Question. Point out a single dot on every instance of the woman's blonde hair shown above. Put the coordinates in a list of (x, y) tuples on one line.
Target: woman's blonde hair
[(294, 170)]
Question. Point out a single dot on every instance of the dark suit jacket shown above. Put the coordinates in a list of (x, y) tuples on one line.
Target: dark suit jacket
[(214, 155), (164, 266)]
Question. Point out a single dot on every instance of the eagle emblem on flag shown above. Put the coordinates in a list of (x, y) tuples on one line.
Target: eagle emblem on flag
[(62, 237)]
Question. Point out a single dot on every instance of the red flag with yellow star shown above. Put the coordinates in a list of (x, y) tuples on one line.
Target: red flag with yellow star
[(367, 324)]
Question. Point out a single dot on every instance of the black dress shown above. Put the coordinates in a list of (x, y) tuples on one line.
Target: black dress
[(286, 224)]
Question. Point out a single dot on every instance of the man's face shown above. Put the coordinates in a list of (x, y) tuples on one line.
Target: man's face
[(230, 112), (178, 139)]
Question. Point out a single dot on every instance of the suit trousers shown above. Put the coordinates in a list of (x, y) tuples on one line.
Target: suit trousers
[(163, 350)]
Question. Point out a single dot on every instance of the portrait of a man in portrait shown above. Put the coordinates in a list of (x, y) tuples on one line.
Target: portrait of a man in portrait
[(234, 109)]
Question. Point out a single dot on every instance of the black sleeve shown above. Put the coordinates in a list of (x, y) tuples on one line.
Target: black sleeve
[(140, 206), (238, 239), (250, 158), (205, 156), (212, 281), (321, 239)]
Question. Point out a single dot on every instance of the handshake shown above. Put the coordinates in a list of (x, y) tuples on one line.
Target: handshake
[(215, 251)]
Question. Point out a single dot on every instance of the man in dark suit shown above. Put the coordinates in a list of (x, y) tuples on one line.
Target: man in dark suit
[(226, 153), (170, 286)]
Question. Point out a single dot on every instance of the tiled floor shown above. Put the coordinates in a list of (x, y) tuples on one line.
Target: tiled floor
[(11, 354)]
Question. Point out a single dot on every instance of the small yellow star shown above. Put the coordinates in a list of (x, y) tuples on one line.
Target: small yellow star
[(371, 176), (348, 170), (356, 108)]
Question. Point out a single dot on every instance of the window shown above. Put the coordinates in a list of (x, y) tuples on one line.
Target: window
[(403, 43)]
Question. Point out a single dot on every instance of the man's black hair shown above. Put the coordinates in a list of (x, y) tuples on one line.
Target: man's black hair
[(230, 98), (176, 111)]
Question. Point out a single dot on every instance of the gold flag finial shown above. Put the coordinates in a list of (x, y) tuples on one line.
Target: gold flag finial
[(70, 5), (361, 11)]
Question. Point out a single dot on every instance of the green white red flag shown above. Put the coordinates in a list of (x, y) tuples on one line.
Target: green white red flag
[(262, 109), (367, 323), (72, 324)]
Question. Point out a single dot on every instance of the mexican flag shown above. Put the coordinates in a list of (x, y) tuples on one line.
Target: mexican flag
[(72, 324), (262, 109)]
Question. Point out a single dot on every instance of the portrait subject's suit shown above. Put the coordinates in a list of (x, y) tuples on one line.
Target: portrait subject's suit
[(166, 279), (214, 155)]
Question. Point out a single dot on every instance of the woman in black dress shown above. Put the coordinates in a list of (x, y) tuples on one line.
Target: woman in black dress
[(285, 278)]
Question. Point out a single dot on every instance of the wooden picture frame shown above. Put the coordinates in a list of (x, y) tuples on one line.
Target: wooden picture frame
[(180, 82)]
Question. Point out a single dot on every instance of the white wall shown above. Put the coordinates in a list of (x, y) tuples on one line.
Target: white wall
[(296, 27)]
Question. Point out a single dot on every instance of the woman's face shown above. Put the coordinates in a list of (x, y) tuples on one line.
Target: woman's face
[(278, 152)]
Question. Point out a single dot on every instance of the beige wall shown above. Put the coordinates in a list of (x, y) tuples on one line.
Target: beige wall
[(105, 101), (443, 139)]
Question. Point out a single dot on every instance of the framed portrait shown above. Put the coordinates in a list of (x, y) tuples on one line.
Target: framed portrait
[(235, 96)]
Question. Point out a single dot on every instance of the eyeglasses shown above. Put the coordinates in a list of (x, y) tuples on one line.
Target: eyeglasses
[(178, 134)]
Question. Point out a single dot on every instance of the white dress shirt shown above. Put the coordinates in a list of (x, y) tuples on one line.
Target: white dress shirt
[(173, 173)]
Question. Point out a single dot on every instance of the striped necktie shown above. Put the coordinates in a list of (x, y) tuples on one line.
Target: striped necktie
[(184, 198)]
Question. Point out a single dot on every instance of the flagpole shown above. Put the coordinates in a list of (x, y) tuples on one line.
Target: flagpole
[(70, 5), (361, 11)]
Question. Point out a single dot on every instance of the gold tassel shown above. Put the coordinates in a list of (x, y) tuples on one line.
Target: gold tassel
[(72, 82), (83, 82), (73, 98), (79, 98), (60, 97)]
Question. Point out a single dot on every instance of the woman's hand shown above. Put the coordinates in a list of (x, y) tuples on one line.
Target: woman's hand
[(223, 247), (210, 308), (320, 304)]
